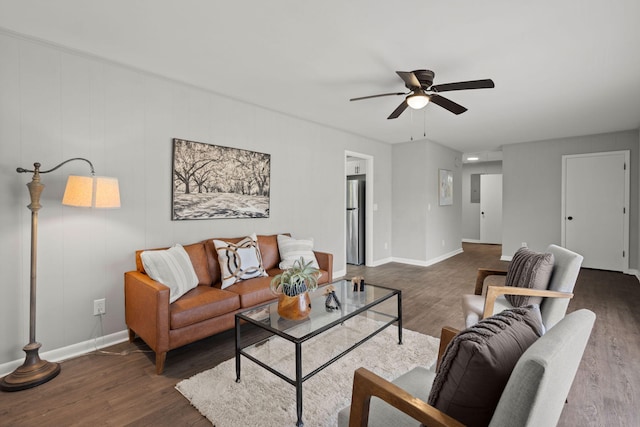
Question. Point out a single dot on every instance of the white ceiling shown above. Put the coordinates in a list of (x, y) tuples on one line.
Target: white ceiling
[(561, 68)]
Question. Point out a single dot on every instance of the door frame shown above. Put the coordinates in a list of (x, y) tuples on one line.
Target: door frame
[(368, 249), (627, 183)]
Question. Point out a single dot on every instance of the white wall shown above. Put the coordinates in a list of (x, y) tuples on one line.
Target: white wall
[(471, 211), (423, 231), (532, 187), (56, 104)]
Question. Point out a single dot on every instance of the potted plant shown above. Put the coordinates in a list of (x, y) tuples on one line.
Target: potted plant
[(292, 287)]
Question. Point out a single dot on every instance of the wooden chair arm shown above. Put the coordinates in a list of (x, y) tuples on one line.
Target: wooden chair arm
[(483, 273), (367, 384), (494, 292), (446, 336)]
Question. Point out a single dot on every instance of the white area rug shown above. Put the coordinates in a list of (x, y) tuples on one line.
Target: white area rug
[(263, 399)]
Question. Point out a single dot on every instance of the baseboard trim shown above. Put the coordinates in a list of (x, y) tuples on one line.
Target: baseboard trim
[(429, 262), (71, 351), (471, 241), (381, 262)]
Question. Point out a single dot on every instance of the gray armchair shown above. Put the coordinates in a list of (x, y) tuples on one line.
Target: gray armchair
[(534, 395), (556, 297)]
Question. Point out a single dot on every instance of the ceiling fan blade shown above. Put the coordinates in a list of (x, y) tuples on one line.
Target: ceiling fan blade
[(410, 79), (448, 104), (472, 84), (398, 110), (377, 96)]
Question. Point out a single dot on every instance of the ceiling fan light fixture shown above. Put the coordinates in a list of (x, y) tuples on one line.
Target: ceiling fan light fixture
[(418, 100)]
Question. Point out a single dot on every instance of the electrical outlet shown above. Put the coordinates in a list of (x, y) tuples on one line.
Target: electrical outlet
[(524, 244), (99, 307)]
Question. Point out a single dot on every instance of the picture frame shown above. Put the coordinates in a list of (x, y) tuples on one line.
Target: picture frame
[(445, 187), (212, 181)]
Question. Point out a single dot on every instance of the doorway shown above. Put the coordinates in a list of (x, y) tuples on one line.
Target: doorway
[(595, 204), (361, 165)]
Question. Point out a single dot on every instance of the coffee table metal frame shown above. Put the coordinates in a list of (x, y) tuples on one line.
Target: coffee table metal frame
[(297, 341)]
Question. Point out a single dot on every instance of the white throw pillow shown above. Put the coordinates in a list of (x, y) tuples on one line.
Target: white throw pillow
[(239, 261), (171, 267), (292, 249)]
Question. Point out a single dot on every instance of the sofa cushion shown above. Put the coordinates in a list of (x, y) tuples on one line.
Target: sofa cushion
[(198, 256), (202, 303), (291, 250), (239, 261), (269, 251), (528, 269), (171, 267), (477, 364), (253, 291)]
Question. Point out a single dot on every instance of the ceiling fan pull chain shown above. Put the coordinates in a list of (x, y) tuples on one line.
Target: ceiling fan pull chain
[(424, 123), (411, 124)]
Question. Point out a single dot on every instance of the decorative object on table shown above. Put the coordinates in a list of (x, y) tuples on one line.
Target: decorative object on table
[(212, 181), (331, 302), (82, 191), (358, 283), (292, 287), (445, 187)]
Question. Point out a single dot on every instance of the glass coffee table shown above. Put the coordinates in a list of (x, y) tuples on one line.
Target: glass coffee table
[(374, 303)]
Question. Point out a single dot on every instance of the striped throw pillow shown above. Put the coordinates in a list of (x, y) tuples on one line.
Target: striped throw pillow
[(292, 249), (171, 267)]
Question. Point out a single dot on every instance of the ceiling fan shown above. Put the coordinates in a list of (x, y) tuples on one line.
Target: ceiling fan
[(422, 90)]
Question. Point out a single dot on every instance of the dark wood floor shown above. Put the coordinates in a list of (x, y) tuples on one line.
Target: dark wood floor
[(122, 390)]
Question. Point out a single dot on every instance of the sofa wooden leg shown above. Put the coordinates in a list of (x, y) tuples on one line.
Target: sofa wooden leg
[(132, 335), (160, 358)]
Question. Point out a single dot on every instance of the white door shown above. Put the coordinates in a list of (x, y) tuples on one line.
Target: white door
[(491, 208), (594, 215)]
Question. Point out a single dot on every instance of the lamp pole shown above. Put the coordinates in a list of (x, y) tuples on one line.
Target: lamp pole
[(34, 371)]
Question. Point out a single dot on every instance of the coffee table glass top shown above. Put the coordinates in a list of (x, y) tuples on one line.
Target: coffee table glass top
[(320, 318), (361, 315)]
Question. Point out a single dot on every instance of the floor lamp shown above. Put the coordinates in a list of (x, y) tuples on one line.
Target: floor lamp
[(84, 191)]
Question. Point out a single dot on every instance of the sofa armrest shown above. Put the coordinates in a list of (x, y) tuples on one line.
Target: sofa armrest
[(367, 384), (494, 292), (325, 261), (146, 309), (483, 273)]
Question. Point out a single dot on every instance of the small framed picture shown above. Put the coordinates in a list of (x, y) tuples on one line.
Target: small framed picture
[(445, 187)]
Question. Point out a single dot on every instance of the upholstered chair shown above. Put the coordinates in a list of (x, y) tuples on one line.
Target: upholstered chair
[(534, 395), (566, 266)]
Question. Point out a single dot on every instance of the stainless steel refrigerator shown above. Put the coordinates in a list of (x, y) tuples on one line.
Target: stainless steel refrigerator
[(355, 219)]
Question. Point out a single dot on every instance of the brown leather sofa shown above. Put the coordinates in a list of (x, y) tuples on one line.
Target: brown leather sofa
[(205, 310)]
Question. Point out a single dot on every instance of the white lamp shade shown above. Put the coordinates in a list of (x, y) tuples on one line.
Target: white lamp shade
[(92, 192), (417, 101)]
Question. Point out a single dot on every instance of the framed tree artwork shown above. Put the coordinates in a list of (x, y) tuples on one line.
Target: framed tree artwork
[(212, 181)]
